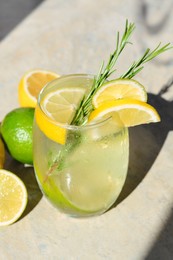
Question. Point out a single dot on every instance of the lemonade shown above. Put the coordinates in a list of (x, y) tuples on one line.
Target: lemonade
[(81, 144), (84, 176)]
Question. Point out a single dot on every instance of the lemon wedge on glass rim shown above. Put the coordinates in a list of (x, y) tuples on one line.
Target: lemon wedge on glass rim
[(57, 110), (128, 111), (125, 101), (118, 89), (122, 99)]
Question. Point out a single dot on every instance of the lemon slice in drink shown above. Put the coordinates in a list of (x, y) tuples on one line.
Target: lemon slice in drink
[(118, 89), (128, 111), (59, 106), (30, 85), (13, 198)]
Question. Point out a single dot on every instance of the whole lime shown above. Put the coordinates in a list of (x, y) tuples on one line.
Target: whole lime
[(16, 130)]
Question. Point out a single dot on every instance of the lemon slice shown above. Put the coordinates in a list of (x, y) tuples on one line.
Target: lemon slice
[(58, 107), (118, 89), (128, 111), (13, 197), (61, 104), (31, 84)]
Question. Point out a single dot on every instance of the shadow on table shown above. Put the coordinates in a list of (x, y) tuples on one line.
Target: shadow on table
[(145, 144), (155, 23), (146, 141), (26, 174), (162, 248), (153, 26), (12, 12)]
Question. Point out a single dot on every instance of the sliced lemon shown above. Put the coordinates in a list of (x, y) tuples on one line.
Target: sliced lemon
[(58, 107), (128, 111), (118, 89), (31, 84), (13, 197), (61, 104)]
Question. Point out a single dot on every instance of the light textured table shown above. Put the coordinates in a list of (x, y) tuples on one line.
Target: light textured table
[(74, 37)]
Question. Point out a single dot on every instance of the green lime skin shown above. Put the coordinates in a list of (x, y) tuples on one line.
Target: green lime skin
[(16, 130)]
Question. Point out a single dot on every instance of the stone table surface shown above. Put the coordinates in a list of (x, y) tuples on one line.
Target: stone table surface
[(74, 37)]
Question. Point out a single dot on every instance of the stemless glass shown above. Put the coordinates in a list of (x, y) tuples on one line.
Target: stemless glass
[(84, 175)]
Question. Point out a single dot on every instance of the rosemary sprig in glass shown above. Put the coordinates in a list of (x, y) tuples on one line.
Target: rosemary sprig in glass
[(86, 107), (104, 73)]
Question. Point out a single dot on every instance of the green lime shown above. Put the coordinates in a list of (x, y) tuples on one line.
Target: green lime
[(16, 130)]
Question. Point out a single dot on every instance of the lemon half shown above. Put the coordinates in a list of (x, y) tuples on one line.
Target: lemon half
[(13, 197), (31, 84)]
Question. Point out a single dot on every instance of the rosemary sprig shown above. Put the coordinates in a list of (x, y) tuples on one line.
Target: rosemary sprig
[(85, 106), (137, 66)]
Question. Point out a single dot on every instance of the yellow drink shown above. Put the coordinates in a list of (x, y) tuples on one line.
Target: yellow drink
[(84, 176)]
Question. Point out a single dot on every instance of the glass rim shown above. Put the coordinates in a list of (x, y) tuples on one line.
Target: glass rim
[(94, 124)]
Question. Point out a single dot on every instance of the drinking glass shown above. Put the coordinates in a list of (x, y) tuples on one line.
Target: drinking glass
[(83, 176)]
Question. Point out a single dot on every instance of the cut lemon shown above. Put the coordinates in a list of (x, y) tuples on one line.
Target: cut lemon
[(13, 198), (128, 111), (61, 104), (58, 107), (118, 89), (31, 84)]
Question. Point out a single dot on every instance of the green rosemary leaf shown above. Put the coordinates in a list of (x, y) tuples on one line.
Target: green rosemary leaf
[(104, 73), (86, 107), (137, 66)]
